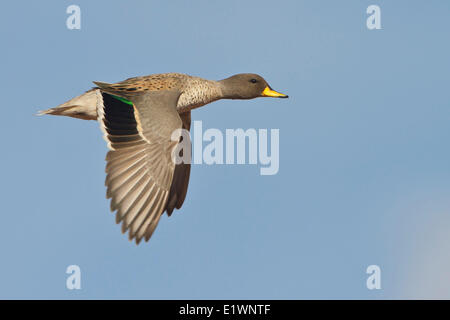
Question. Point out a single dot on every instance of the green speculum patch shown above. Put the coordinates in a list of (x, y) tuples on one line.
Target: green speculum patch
[(122, 99)]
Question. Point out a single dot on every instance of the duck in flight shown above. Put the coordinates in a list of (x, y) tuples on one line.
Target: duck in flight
[(138, 117)]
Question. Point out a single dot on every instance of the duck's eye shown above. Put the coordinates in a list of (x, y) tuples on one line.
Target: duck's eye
[(253, 81)]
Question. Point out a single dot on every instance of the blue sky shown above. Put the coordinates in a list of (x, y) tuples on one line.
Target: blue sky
[(364, 160)]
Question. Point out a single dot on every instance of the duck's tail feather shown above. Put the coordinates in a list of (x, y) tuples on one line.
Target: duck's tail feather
[(81, 107)]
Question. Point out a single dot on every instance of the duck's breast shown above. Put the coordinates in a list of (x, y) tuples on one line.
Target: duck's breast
[(197, 92)]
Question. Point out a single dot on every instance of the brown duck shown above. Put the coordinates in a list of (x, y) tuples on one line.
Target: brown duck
[(138, 117)]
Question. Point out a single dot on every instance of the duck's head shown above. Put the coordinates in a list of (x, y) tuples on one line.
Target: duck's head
[(247, 86)]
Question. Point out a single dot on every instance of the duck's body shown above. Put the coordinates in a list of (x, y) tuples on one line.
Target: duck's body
[(139, 117), (195, 92)]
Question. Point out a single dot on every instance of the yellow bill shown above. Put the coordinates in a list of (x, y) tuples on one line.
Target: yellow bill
[(268, 92)]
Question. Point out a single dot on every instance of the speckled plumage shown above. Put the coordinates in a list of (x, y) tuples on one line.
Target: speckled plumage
[(195, 91)]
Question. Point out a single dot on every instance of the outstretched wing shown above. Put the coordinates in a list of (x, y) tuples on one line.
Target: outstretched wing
[(139, 166), (181, 175)]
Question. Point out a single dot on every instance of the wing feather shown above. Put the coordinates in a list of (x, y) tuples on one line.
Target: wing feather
[(139, 165)]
